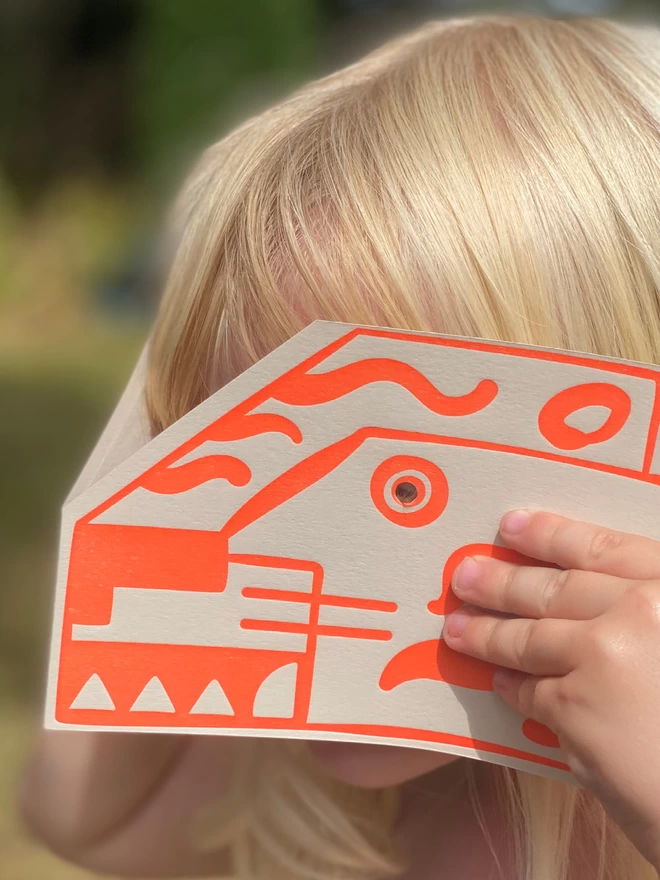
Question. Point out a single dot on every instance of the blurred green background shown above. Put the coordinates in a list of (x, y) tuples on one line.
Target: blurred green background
[(105, 103)]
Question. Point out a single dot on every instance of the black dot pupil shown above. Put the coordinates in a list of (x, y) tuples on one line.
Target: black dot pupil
[(406, 493)]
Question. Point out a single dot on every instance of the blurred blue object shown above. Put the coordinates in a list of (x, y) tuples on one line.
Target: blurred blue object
[(130, 291)]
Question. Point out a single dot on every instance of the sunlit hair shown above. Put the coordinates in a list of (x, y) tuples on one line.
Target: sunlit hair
[(495, 177)]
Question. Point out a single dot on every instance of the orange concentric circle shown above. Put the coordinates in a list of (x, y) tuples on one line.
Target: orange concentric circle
[(409, 491)]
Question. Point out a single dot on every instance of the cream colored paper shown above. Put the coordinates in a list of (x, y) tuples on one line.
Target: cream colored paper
[(262, 568)]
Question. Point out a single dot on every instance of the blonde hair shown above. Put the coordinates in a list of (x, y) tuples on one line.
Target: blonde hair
[(495, 177)]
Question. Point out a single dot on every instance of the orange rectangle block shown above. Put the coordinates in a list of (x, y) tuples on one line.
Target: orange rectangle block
[(107, 556)]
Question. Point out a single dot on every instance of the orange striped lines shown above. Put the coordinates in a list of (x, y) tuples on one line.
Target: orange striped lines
[(334, 601), (344, 632)]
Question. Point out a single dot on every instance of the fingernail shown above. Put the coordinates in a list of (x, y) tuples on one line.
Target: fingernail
[(515, 521), (458, 620), (465, 576)]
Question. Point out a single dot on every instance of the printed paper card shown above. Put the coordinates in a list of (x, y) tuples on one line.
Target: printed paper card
[(278, 562)]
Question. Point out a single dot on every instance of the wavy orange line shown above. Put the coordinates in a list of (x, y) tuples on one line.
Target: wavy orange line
[(310, 389)]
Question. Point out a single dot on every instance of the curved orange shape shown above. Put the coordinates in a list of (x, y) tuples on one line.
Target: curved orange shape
[(540, 733), (310, 389), (448, 601), (433, 660), (242, 426), (171, 480), (552, 418)]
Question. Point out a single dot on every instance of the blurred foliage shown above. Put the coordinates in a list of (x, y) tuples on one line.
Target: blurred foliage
[(63, 355), (204, 62), (51, 257), (73, 252), (61, 366)]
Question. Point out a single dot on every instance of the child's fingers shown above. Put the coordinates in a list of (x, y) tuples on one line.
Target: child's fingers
[(537, 647), (533, 591), (531, 695), (572, 544)]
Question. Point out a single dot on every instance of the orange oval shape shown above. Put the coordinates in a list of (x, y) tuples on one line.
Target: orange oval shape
[(552, 418), (540, 734)]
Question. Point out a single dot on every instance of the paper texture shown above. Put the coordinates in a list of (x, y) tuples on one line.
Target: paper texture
[(278, 562), (126, 432)]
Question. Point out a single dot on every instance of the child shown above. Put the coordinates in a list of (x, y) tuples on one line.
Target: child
[(495, 177)]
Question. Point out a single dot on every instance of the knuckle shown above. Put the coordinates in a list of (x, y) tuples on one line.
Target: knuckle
[(493, 641), (501, 644), (582, 772), (553, 587), (558, 699), (520, 647), (564, 692), (510, 583), (544, 701), (529, 644), (643, 600), (601, 543), (553, 530), (600, 642)]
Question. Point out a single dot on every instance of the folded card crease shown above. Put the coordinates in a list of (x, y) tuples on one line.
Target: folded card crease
[(279, 561)]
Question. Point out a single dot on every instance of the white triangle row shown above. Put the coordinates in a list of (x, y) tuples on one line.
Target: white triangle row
[(275, 697), (153, 698)]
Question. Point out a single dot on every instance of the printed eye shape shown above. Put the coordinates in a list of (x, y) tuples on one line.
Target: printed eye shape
[(406, 490), (553, 418), (409, 491)]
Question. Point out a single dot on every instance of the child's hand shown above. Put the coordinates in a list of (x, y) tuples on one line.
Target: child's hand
[(585, 644)]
